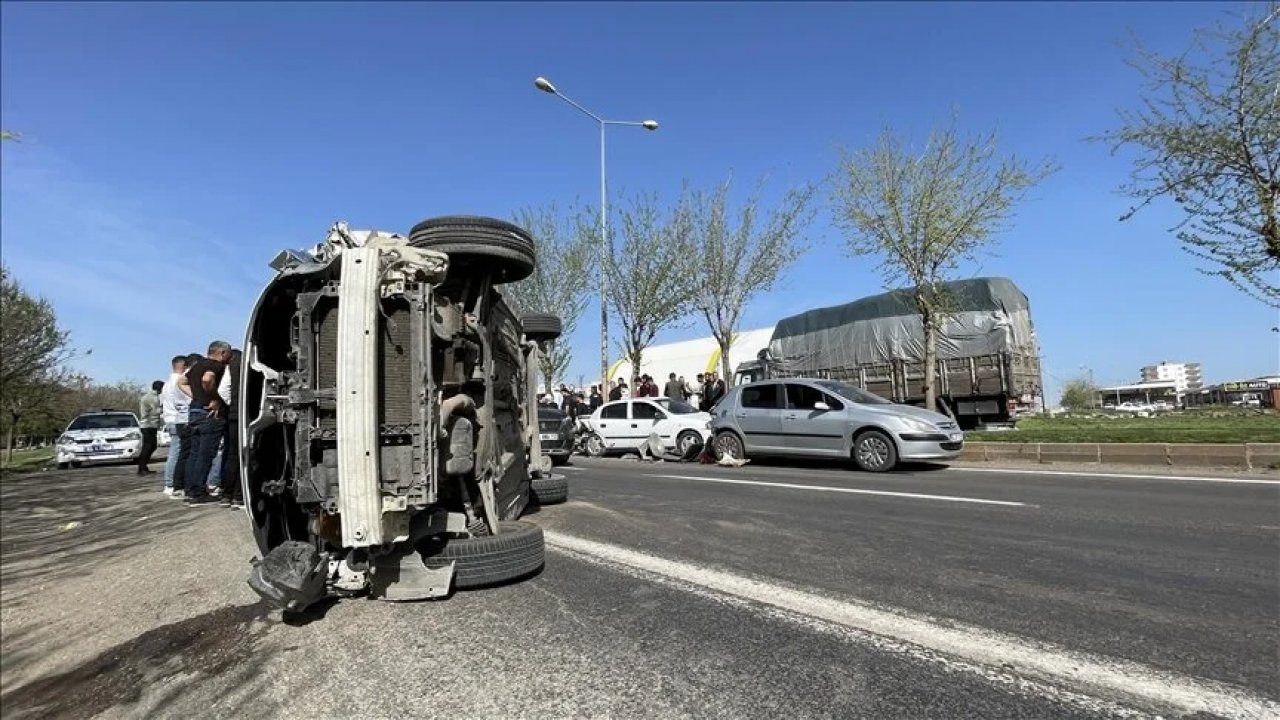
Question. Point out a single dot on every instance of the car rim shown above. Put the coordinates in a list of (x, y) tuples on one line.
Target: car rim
[(595, 446), (686, 442), (873, 452), (729, 445)]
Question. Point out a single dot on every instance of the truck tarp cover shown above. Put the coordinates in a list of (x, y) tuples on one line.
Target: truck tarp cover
[(989, 315)]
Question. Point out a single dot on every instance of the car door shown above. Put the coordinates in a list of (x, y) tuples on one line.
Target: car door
[(648, 418), (809, 430), (759, 415), (613, 425)]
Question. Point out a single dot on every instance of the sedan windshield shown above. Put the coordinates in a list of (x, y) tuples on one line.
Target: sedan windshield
[(855, 394), (110, 421), (676, 407)]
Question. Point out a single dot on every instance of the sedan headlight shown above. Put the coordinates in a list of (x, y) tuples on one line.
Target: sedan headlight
[(65, 440), (919, 425), (135, 435)]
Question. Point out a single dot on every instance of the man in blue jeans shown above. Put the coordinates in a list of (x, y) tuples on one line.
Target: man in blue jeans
[(173, 410), (206, 419)]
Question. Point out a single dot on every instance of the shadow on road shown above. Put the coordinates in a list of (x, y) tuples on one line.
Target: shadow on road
[(60, 523), (164, 662)]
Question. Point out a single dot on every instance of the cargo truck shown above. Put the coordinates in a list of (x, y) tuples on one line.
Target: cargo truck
[(988, 358)]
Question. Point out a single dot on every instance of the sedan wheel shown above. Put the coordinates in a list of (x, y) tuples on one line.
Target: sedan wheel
[(874, 451), (687, 440), (595, 446)]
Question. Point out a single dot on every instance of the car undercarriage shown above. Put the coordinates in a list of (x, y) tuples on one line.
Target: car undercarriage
[(389, 433)]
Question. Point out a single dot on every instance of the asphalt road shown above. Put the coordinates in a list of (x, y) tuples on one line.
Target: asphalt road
[(677, 590)]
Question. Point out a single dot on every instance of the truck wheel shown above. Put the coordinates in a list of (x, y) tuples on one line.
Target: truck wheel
[(478, 242), (550, 490), (874, 451), (518, 551), (727, 443), (541, 327), (595, 445)]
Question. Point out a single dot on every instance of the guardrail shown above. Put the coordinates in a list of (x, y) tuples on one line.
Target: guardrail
[(1250, 456)]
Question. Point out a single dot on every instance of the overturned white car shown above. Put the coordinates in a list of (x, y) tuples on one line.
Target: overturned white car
[(387, 425)]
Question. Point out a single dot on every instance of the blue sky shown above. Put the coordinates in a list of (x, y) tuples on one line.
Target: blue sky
[(170, 149)]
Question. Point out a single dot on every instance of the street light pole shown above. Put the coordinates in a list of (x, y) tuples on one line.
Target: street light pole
[(605, 246)]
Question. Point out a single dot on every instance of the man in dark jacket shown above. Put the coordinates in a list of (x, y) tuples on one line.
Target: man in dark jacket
[(596, 399), (231, 491), (674, 388), (712, 391)]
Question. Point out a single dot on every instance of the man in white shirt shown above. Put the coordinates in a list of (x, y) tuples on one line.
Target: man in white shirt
[(173, 411)]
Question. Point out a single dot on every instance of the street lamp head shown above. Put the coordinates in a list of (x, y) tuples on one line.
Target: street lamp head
[(650, 124), (544, 85)]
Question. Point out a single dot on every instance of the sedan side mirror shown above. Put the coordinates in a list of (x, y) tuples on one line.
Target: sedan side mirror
[(821, 406)]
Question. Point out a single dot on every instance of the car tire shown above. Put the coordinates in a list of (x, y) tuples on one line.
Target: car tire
[(728, 443), (686, 440), (595, 445), (75, 464), (874, 451), (541, 327), (63, 466), (550, 490), (481, 243), (558, 460), (518, 551)]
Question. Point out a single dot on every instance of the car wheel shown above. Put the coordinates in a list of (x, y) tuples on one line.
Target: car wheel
[(75, 464), (558, 460), (516, 552), (874, 451), (595, 446), (686, 440), (478, 243), (541, 327), (63, 466), (550, 490), (727, 443)]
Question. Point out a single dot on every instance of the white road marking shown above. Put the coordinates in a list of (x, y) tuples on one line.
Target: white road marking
[(570, 468), (1121, 476), (990, 653), (851, 491)]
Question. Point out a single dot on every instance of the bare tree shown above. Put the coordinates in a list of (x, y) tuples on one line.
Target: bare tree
[(33, 350), (1207, 134), (560, 283), (740, 254), (651, 278), (923, 213)]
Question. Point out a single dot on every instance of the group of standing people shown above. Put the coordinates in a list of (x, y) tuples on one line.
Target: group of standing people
[(197, 406), (704, 393)]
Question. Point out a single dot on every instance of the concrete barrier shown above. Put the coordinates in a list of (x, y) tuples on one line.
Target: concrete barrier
[(1253, 456)]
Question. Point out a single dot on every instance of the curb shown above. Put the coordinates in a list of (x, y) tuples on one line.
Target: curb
[(1246, 456)]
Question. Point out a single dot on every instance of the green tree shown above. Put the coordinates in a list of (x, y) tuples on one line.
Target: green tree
[(33, 350), (1079, 394), (561, 283), (741, 252), (923, 212), (652, 284), (1207, 135), (8, 135)]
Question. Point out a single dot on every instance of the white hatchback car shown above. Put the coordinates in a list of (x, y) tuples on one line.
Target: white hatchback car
[(104, 436), (623, 425)]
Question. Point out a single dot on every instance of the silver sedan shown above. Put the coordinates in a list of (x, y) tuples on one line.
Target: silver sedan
[(827, 418)]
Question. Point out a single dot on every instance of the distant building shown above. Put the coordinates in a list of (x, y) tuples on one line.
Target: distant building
[(1185, 376), (1258, 392)]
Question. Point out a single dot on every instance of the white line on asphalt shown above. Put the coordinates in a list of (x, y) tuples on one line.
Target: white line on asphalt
[(1122, 476), (995, 654), (851, 491)]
